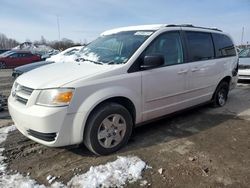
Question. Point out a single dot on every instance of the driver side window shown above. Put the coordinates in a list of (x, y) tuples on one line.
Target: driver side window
[(169, 46), (14, 55)]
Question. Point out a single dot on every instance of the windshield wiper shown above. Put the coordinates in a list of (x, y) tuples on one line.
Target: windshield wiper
[(83, 59), (113, 63)]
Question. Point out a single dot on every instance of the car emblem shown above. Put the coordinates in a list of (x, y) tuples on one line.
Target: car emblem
[(14, 93)]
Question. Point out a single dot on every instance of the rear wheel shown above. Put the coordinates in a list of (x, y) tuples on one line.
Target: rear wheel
[(108, 129), (221, 94), (2, 65)]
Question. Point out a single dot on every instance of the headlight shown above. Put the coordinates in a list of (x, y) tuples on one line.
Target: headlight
[(14, 88), (55, 97)]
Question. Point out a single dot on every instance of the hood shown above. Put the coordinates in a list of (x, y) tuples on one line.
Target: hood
[(59, 74), (244, 61), (31, 66)]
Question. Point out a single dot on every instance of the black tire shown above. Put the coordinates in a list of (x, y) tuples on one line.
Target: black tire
[(2, 65), (221, 94), (95, 123)]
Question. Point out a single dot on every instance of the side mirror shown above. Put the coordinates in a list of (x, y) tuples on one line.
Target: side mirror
[(152, 61)]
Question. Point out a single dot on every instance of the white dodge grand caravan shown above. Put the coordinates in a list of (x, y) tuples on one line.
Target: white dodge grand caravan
[(125, 77)]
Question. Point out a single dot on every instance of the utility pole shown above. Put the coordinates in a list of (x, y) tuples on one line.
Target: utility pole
[(242, 36), (58, 27)]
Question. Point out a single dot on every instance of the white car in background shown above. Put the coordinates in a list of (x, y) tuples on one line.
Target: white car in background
[(244, 64), (67, 55)]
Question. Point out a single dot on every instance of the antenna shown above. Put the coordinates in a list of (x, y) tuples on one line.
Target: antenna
[(58, 27), (242, 36)]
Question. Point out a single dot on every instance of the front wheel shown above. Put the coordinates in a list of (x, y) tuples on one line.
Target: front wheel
[(221, 94), (108, 129), (2, 65)]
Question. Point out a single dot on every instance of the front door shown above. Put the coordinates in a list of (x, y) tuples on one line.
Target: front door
[(164, 88)]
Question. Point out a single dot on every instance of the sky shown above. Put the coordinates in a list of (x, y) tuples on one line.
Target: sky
[(82, 20)]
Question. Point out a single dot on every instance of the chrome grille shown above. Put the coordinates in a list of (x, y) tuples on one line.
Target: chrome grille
[(244, 66), (21, 100), (22, 93), (27, 90)]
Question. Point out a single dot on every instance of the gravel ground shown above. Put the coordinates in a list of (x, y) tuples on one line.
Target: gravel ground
[(202, 147)]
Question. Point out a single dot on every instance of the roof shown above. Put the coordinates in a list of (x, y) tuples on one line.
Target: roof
[(134, 28), (152, 28)]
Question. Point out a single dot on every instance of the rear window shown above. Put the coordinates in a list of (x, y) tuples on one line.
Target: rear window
[(200, 46), (224, 46)]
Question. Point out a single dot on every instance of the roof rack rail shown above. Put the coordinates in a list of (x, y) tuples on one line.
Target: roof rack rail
[(190, 25)]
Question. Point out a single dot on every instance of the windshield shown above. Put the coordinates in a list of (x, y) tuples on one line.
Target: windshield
[(115, 48), (245, 53), (6, 54)]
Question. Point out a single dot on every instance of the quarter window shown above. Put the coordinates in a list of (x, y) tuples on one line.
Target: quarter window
[(169, 46), (224, 46), (200, 46)]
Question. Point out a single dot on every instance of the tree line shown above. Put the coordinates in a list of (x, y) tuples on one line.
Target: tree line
[(8, 43), (63, 44)]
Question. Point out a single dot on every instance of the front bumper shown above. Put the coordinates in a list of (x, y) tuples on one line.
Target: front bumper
[(50, 126), (244, 74)]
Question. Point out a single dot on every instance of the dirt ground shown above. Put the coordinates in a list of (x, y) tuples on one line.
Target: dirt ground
[(202, 147)]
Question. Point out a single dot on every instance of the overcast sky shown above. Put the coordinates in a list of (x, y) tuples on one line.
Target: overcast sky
[(82, 20)]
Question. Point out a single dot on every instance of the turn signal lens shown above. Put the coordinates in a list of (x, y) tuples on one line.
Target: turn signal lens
[(55, 97), (63, 97)]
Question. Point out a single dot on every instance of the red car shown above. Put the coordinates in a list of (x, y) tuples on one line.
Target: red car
[(12, 59)]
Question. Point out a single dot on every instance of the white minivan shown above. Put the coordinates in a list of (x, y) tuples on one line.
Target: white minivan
[(125, 77)]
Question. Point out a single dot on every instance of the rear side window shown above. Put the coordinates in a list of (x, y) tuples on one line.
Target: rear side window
[(15, 55), (224, 46), (28, 55), (200, 46)]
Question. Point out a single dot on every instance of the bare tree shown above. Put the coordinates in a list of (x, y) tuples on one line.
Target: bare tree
[(6, 43)]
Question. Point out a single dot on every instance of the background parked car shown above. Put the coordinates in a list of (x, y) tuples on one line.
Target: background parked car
[(49, 54), (66, 55), (13, 59), (25, 68), (3, 50), (244, 64)]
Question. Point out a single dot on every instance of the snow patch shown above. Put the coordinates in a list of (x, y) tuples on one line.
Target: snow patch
[(68, 55), (4, 132), (16, 180), (112, 174)]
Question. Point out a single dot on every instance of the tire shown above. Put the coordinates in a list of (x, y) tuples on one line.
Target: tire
[(108, 128), (221, 94), (2, 65)]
